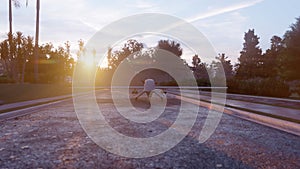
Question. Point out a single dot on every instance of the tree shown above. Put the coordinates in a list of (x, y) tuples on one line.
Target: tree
[(4, 52), (291, 57), (36, 45), (223, 63), (69, 63), (21, 51), (250, 61), (19, 55), (28, 53), (201, 71), (10, 34), (130, 47), (272, 62), (81, 49), (55, 63), (17, 5), (170, 46), (196, 61)]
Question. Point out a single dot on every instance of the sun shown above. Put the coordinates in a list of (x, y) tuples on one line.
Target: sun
[(89, 61)]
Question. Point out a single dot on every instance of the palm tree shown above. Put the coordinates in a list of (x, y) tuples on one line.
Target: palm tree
[(28, 45), (19, 43), (10, 34), (17, 5), (36, 46), (4, 52)]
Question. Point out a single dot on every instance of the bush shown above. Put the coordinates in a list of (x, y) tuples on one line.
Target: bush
[(259, 86), (5, 79), (169, 83), (203, 82)]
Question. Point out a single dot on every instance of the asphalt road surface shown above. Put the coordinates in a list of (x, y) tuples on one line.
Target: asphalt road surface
[(52, 137)]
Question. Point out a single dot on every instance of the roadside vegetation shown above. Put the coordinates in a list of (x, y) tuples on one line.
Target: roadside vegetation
[(10, 93)]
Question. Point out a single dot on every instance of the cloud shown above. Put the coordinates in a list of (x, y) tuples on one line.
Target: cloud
[(229, 29), (143, 4), (223, 10), (225, 32), (212, 13), (89, 25)]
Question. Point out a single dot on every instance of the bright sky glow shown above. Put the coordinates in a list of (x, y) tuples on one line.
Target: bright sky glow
[(222, 22)]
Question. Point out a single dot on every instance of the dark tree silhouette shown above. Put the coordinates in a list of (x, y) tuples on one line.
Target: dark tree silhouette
[(4, 55), (200, 71), (291, 57), (272, 61), (81, 48), (196, 61), (226, 66), (55, 64), (28, 53), (170, 46), (36, 45), (250, 61), (16, 3), (22, 52), (130, 47)]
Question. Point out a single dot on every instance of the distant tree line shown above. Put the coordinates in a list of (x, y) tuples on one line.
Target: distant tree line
[(17, 61), (273, 73)]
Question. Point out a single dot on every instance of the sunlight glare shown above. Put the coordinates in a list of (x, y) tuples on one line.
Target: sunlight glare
[(89, 61)]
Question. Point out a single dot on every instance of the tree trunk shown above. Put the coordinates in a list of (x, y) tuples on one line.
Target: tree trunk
[(10, 18), (7, 67), (10, 73), (23, 72), (36, 46), (14, 69)]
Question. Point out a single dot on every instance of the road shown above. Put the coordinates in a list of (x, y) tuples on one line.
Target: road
[(52, 137)]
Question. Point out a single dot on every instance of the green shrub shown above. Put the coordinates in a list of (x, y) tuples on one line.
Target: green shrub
[(5, 79), (259, 86)]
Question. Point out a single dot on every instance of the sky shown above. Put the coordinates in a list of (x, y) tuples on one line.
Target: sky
[(222, 22)]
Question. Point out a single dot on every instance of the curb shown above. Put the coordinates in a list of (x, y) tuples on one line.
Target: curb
[(25, 104)]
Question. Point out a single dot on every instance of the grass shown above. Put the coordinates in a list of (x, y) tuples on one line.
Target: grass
[(11, 93)]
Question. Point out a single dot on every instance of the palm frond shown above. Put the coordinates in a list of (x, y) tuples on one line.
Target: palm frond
[(17, 3)]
